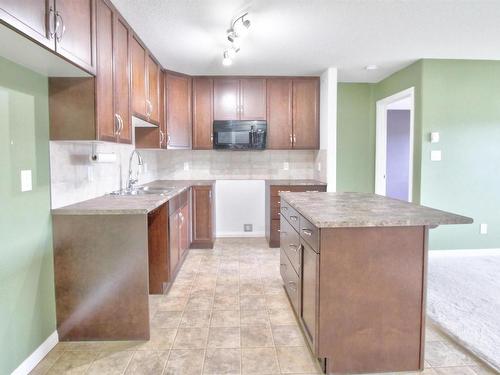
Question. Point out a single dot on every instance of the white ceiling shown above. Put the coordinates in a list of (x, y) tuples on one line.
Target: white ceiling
[(304, 37)]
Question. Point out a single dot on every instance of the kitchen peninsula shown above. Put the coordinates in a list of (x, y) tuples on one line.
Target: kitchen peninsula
[(354, 267)]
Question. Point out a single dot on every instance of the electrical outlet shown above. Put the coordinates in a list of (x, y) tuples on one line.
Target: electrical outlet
[(436, 155), (26, 182), (186, 166), (483, 228), (248, 227), (286, 166)]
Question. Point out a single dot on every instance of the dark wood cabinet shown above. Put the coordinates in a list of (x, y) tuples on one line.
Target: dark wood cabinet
[(273, 204), (226, 99), (253, 99), (75, 32), (158, 242), (184, 229), (239, 99), (112, 79), (121, 88), (34, 18), (64, 26), (279, 114), (153, 100), (306, 113), (309, 287), (139, 95), (202, 113), (174, 241), (178, 110), (203, 220)]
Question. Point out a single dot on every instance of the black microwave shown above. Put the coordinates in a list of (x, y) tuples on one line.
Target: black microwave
[(240, 135)]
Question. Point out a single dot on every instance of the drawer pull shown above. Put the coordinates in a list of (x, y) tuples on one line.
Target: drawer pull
[(307, 232), (283, 265), (283, 191), (292, 286), (284, 208), (294, 218), (293, 247)]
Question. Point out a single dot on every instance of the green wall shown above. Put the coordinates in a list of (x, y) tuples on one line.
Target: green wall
[(27, 308), (355, 137), (461, 100)]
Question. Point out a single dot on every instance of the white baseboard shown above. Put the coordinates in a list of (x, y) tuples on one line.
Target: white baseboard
[(240, 234), (465, 252), (39, 353)]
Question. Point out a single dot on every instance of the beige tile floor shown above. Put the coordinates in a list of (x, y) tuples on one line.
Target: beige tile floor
[(226, 313)]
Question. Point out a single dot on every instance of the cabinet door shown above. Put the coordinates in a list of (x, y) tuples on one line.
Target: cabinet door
[(309, 280), (121, 59), (202, 113), (279, 114), (34, 18), (173, 232), (138, 57), (226, 99), (153, 111), (107, 124), (75, 34), (306, 113), (253, 99), (203, 223), (184, 229), (178, 110)]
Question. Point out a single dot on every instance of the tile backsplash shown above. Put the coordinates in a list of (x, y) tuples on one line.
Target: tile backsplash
[(74, 177)]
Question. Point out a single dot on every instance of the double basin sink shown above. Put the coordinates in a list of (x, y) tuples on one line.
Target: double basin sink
[(144, 190)]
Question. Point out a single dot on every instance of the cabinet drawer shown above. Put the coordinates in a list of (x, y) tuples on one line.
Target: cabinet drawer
[(290, 214), (290, 280), (309, 233), (290, 244)]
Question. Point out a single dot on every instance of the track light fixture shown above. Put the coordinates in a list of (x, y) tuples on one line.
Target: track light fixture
[(239, 29)]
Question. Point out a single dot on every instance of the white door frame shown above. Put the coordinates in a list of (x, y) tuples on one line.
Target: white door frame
[(381, 140)]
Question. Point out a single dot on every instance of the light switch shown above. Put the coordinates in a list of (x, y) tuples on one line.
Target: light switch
[(285, 166), (434, 137), (26, 183), (436, 155), (483, 229)]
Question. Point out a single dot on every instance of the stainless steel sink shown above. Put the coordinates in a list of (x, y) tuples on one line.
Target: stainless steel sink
[(145, 190)]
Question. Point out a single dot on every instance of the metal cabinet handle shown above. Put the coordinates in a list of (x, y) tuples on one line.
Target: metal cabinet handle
[(168, 139), (294, 139), (116, 130), (307, 232), (291, 139), (211, 137), (181, 216), (284, 208), (51, 23), (292, 286), (293, 247), (60, 35), (283, 265), (149, 108), (162, 137), (121, 125), (293, 218)]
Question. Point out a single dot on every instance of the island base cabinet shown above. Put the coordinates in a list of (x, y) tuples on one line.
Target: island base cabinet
[(372, 299)]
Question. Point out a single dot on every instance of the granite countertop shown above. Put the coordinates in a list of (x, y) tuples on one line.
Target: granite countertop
[(333, 210), (294, 182), (130, 204)]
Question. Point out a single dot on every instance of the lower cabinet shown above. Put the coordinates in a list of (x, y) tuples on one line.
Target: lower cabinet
[(178, 230), (203, 217), (309, 286), (174, 241)]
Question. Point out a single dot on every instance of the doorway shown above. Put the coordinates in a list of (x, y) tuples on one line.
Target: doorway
[(394, 145)]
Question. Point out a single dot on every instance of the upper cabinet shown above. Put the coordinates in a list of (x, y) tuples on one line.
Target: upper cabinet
[(239, 99), (75, 31), (178, 110), (293, 113), (64, 26), (33, 18), (279, 113), (145, 84), (203, 89), (306, 113)]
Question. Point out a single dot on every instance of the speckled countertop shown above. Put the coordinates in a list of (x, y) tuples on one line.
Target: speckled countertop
[(130, 204), (294, 182), (332, 210)]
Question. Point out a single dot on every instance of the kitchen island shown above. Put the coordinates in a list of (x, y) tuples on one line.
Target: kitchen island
[(354, 267)]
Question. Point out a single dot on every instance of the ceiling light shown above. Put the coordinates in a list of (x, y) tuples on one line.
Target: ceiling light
[(226, 61), (371, 67), (231, 52), (241, 25)]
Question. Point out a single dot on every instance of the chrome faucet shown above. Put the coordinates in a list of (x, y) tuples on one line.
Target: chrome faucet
[(140, 161)]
